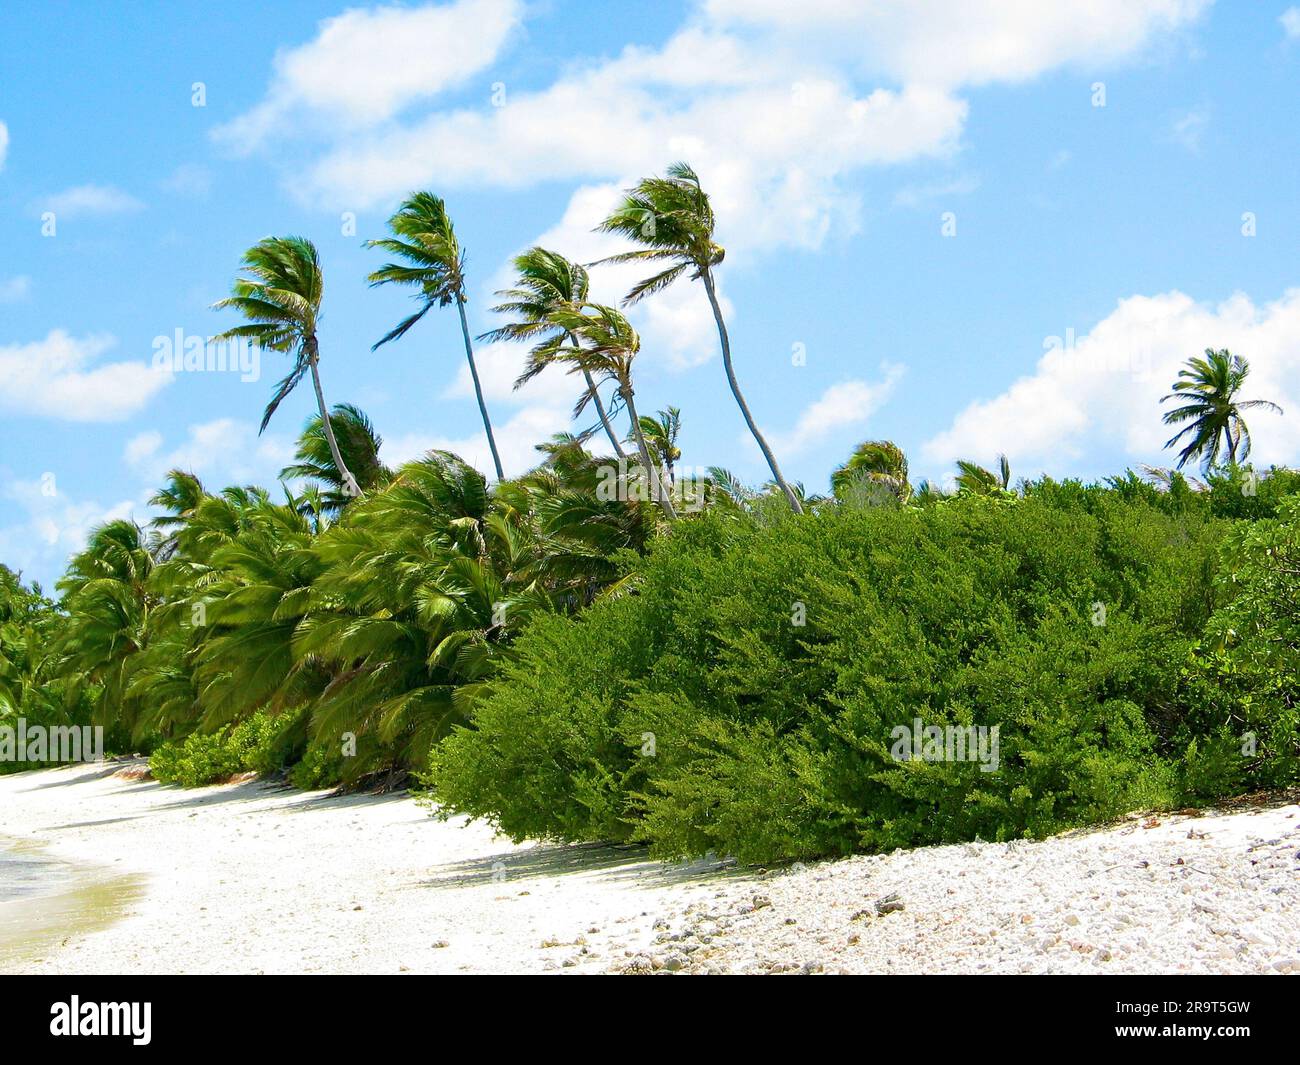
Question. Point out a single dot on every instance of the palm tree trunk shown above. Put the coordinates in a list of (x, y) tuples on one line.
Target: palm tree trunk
[(652, 471), (344, 473), (604, 418), (1232, 445), (478, 389), (795, 505)]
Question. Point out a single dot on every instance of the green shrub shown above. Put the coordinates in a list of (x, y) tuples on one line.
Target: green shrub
[(260, 744), (1243, 730), (1066, 619)]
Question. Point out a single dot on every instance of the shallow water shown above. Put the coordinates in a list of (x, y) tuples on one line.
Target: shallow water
[(46, 904), (25, 873)]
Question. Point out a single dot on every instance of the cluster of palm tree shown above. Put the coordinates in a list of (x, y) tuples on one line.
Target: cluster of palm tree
[(373, 616), (373, 603)]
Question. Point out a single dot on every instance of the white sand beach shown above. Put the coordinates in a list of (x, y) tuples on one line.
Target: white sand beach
[(252, 877)]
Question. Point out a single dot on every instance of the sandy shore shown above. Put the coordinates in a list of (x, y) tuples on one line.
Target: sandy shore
[(250, 877)]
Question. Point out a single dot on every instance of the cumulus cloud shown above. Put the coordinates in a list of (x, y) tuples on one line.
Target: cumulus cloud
[(774, 103), (366, 65), (54, 378), (85, 201), (1103, 390), (1290, 19)]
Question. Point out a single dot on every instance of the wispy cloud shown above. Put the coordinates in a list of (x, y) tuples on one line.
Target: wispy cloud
[(85, 201), (189, 179), (1290, 19), (1190, 128), (847, 405), (916, 195), (4, 144), (15, 289)]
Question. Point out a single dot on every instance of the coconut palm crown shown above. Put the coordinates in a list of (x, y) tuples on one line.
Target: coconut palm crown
[(281, 299), (547, 281), (1211, 412), (673, 221), (430, 260)]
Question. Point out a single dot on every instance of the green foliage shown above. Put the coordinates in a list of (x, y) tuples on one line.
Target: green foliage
[(261, 744), (1245, 728), (773, 739)]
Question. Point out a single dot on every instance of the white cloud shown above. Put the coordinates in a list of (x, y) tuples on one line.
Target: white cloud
[(762, 97), (1103, 391), (1290, 19), (220, 452), (847, 405), (189, 179), (1189, 128), (916, 195), (53, 378), (15, 289), (52, 526), (4, 144), (515, 437), (366, 66), (86, 200), (976, 42)]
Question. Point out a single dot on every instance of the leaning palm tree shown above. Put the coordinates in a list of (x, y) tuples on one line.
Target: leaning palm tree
[(546, 281), (673, 220), (605, 345), (281, 300), (358, 443), (975, 479), (434, 263), (874, 464), (1212, 410), (661, 431)]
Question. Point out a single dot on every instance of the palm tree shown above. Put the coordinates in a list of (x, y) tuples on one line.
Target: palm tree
[(434, 262), (974, 479), (179, 498), (673, 220), (604, 344), (281, 300), (546, 281), (106, 593), (873, 464), (1210, 386), (359, 444), (661, 432)]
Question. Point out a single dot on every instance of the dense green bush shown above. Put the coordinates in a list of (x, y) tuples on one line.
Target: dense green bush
[(261, 744), (1244, 729), (1067, 619)]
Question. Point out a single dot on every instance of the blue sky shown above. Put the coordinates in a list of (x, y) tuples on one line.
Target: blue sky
[(1118, 186)]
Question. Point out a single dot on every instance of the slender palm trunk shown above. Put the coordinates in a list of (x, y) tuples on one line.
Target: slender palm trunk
[(795, 505), (478, 389), (1232, 445), (652, 471), (604, 417), (344, 473)]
